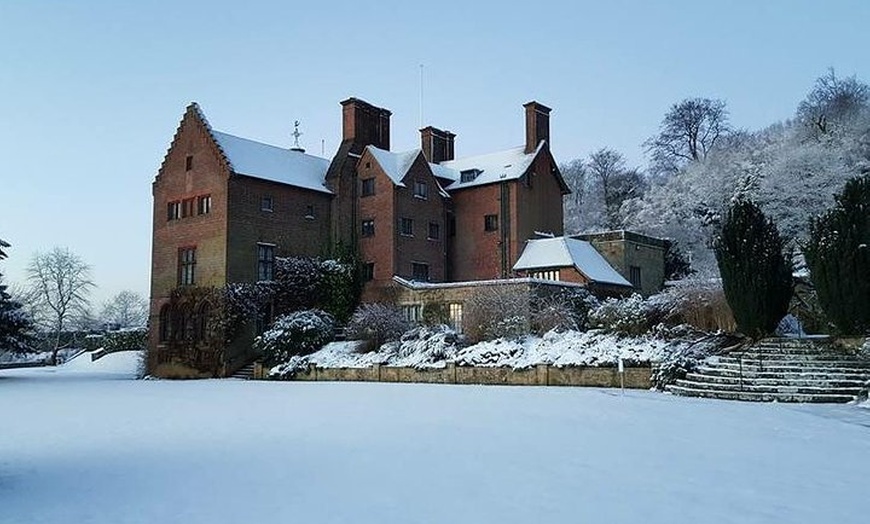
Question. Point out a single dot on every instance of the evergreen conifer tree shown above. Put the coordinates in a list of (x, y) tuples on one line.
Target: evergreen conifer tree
[(756, 276), (15, 326), (839, 258)]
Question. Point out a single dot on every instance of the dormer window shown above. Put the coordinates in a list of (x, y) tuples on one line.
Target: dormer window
[(421, 190), (468, 175)]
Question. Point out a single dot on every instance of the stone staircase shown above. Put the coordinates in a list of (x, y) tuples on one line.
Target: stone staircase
[(780, 370), (244, 373)]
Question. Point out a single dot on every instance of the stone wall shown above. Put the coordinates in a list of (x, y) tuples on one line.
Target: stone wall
[(541, 375)]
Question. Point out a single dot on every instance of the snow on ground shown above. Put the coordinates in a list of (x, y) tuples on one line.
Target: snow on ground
[(77, 448)]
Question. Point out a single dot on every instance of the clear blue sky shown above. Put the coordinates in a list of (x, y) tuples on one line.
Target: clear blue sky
[(92, 91)]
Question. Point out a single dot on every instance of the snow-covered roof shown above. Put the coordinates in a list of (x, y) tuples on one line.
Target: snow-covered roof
[(395, 165), (541, 253), (492, 167), (248, 157)]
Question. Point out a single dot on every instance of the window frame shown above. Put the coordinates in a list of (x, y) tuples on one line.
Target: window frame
[(368, 271), (421, 190), (490, 223), (187, 266), (173, 210), (436, 228), (367, 228), (406, 231), (265, 261), (203, 204), (418, 277), (271, 204), (367, 187)]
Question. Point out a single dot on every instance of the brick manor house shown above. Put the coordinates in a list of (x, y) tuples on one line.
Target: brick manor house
[(226, 206)]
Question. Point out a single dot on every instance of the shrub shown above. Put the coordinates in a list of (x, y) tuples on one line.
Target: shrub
[(340, 287), (377, 323), (627, 316), (496, 311), (699, 303), (756, 276), (126, 340), (298, 333), (563, 309), (839, 258)]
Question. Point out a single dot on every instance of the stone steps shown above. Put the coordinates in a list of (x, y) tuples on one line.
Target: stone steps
[(782, 370), (244, 373)]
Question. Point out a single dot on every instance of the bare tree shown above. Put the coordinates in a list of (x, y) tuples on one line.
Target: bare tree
[(832, 101), (688, 133), (60, 282), (126, 309), (574, 173)]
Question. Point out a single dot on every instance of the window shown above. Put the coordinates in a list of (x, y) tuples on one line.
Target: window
[(202, 322), (265, 262), (406, 227), (266, 203), (456, 316), (368, 228), (165, 324), (490, 223), (634, 275), (368, 187), (203, 205), (368, 271), (309, 212), (188, 163), (412, 312), (468, 175), (451, 226), (434, 231), (173, 210), (552, 274), (187, 207), (421, 190), (420, 271), (186, 266)]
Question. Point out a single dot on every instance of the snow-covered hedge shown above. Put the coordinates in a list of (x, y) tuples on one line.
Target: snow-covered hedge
[(298, 333), (125, 339)]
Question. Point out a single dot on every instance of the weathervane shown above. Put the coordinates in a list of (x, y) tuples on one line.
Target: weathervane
[(296, 134)]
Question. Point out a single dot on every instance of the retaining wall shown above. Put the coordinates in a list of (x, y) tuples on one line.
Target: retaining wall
[(541, 375)]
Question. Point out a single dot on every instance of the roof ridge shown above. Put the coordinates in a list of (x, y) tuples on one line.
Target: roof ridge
[(200, 114)]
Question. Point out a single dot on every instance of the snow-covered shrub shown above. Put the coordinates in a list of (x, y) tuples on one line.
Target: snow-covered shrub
[(93, 342), (564, 309), (377, 323), (629, 316), (496, 311), (424, 346), (297, 284), (298, 333), (126, 339), (699, 303), (681, 359)]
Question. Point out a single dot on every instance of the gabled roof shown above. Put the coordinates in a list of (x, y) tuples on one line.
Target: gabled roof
[(545, 253), (492, 167), (395, 165), (255, 159)]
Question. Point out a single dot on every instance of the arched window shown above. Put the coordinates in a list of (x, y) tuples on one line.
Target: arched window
[(202, 321), (165, 326)]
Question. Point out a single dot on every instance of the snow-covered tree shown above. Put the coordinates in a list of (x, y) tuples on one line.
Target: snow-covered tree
[(125, 310), (15, 325), (688, 133), (833, 104), (756, 274)]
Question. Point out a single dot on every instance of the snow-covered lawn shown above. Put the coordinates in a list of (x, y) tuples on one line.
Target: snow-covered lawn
[(83, 444)]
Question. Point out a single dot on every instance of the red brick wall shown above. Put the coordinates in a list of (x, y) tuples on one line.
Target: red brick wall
[(380, 207), (207, 232), (286, 225), (474, 253), (419, 248), (536, 204)]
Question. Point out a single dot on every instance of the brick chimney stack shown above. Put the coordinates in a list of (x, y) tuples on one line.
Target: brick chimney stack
[(437, 145), (365, 124), (537, 125)]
